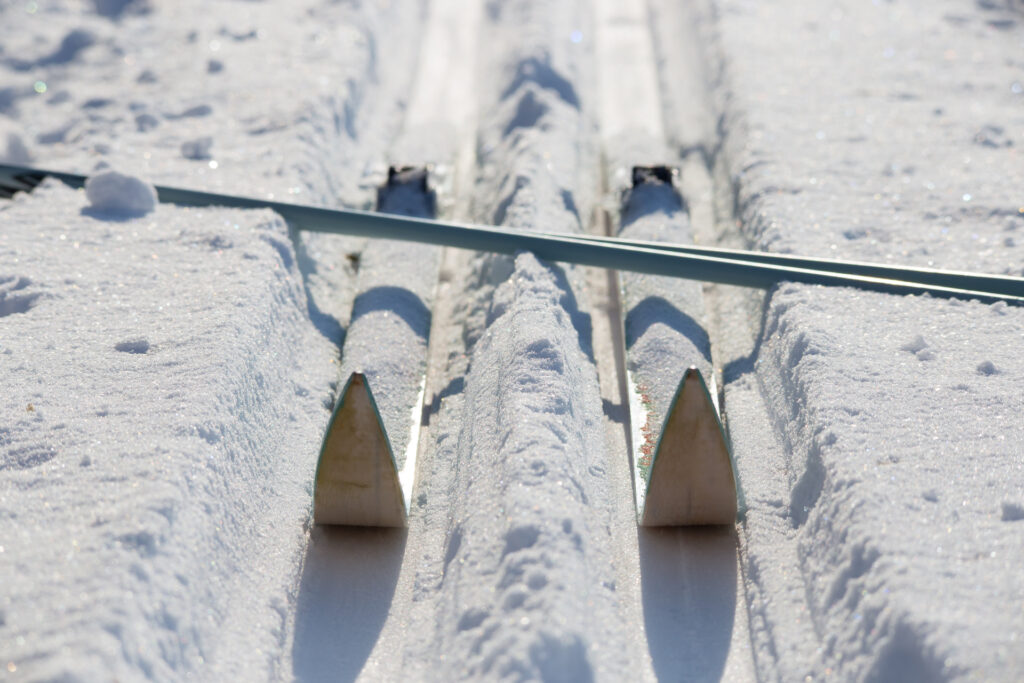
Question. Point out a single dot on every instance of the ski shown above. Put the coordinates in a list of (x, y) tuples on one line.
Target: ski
[(388, 336), (367, 465), (683, 473), (739, 268)]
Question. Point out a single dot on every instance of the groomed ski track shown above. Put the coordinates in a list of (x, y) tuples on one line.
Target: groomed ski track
[(167, 379)]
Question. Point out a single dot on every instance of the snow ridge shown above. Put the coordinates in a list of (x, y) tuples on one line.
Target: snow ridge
[(131, 551), (861, 570), (895, 442), (531, 462), (529, 578)]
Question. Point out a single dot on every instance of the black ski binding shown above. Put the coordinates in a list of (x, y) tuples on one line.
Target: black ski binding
[(408, 191), (659, 174)]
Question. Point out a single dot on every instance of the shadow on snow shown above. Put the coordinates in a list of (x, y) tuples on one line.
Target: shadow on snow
[(348, 582), (688, 581)]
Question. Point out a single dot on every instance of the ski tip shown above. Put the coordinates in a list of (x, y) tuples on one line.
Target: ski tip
[(356, 477), (691, 478)]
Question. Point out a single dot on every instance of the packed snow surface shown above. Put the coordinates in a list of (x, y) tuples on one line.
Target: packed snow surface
[(167, 378), (133, 432), (890, 439), (167, 372)]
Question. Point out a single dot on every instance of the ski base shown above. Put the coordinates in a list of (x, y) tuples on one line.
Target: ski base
[(691, 480), (357, 479)]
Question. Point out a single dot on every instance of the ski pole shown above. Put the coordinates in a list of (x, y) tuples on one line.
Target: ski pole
[(744, 269)]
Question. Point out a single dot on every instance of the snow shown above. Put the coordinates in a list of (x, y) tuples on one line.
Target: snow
[(131, 447), (179, 366), (520, 541), (197, 149), (14, 149), (168, 371), (875, 542), (119, 194), (869, 577), (519, 476)]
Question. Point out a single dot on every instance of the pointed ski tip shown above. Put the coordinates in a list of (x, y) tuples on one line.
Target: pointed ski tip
[(356, 476), (691, 478)]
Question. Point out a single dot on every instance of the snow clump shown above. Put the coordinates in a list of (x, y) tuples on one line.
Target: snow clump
[(117, 193), (13, 149), (197, 149)]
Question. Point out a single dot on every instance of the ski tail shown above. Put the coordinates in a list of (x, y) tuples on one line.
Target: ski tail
[(692, 479), (357, 477)]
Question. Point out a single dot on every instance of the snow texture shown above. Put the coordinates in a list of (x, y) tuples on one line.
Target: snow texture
[(523, 542), (877, 544), (529, 582), (13, 149), (134, 432), (119, 194), (167, 377), (197, 149)]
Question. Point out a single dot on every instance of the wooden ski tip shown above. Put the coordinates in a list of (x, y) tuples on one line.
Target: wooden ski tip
[(356, 476), (691, 477)]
